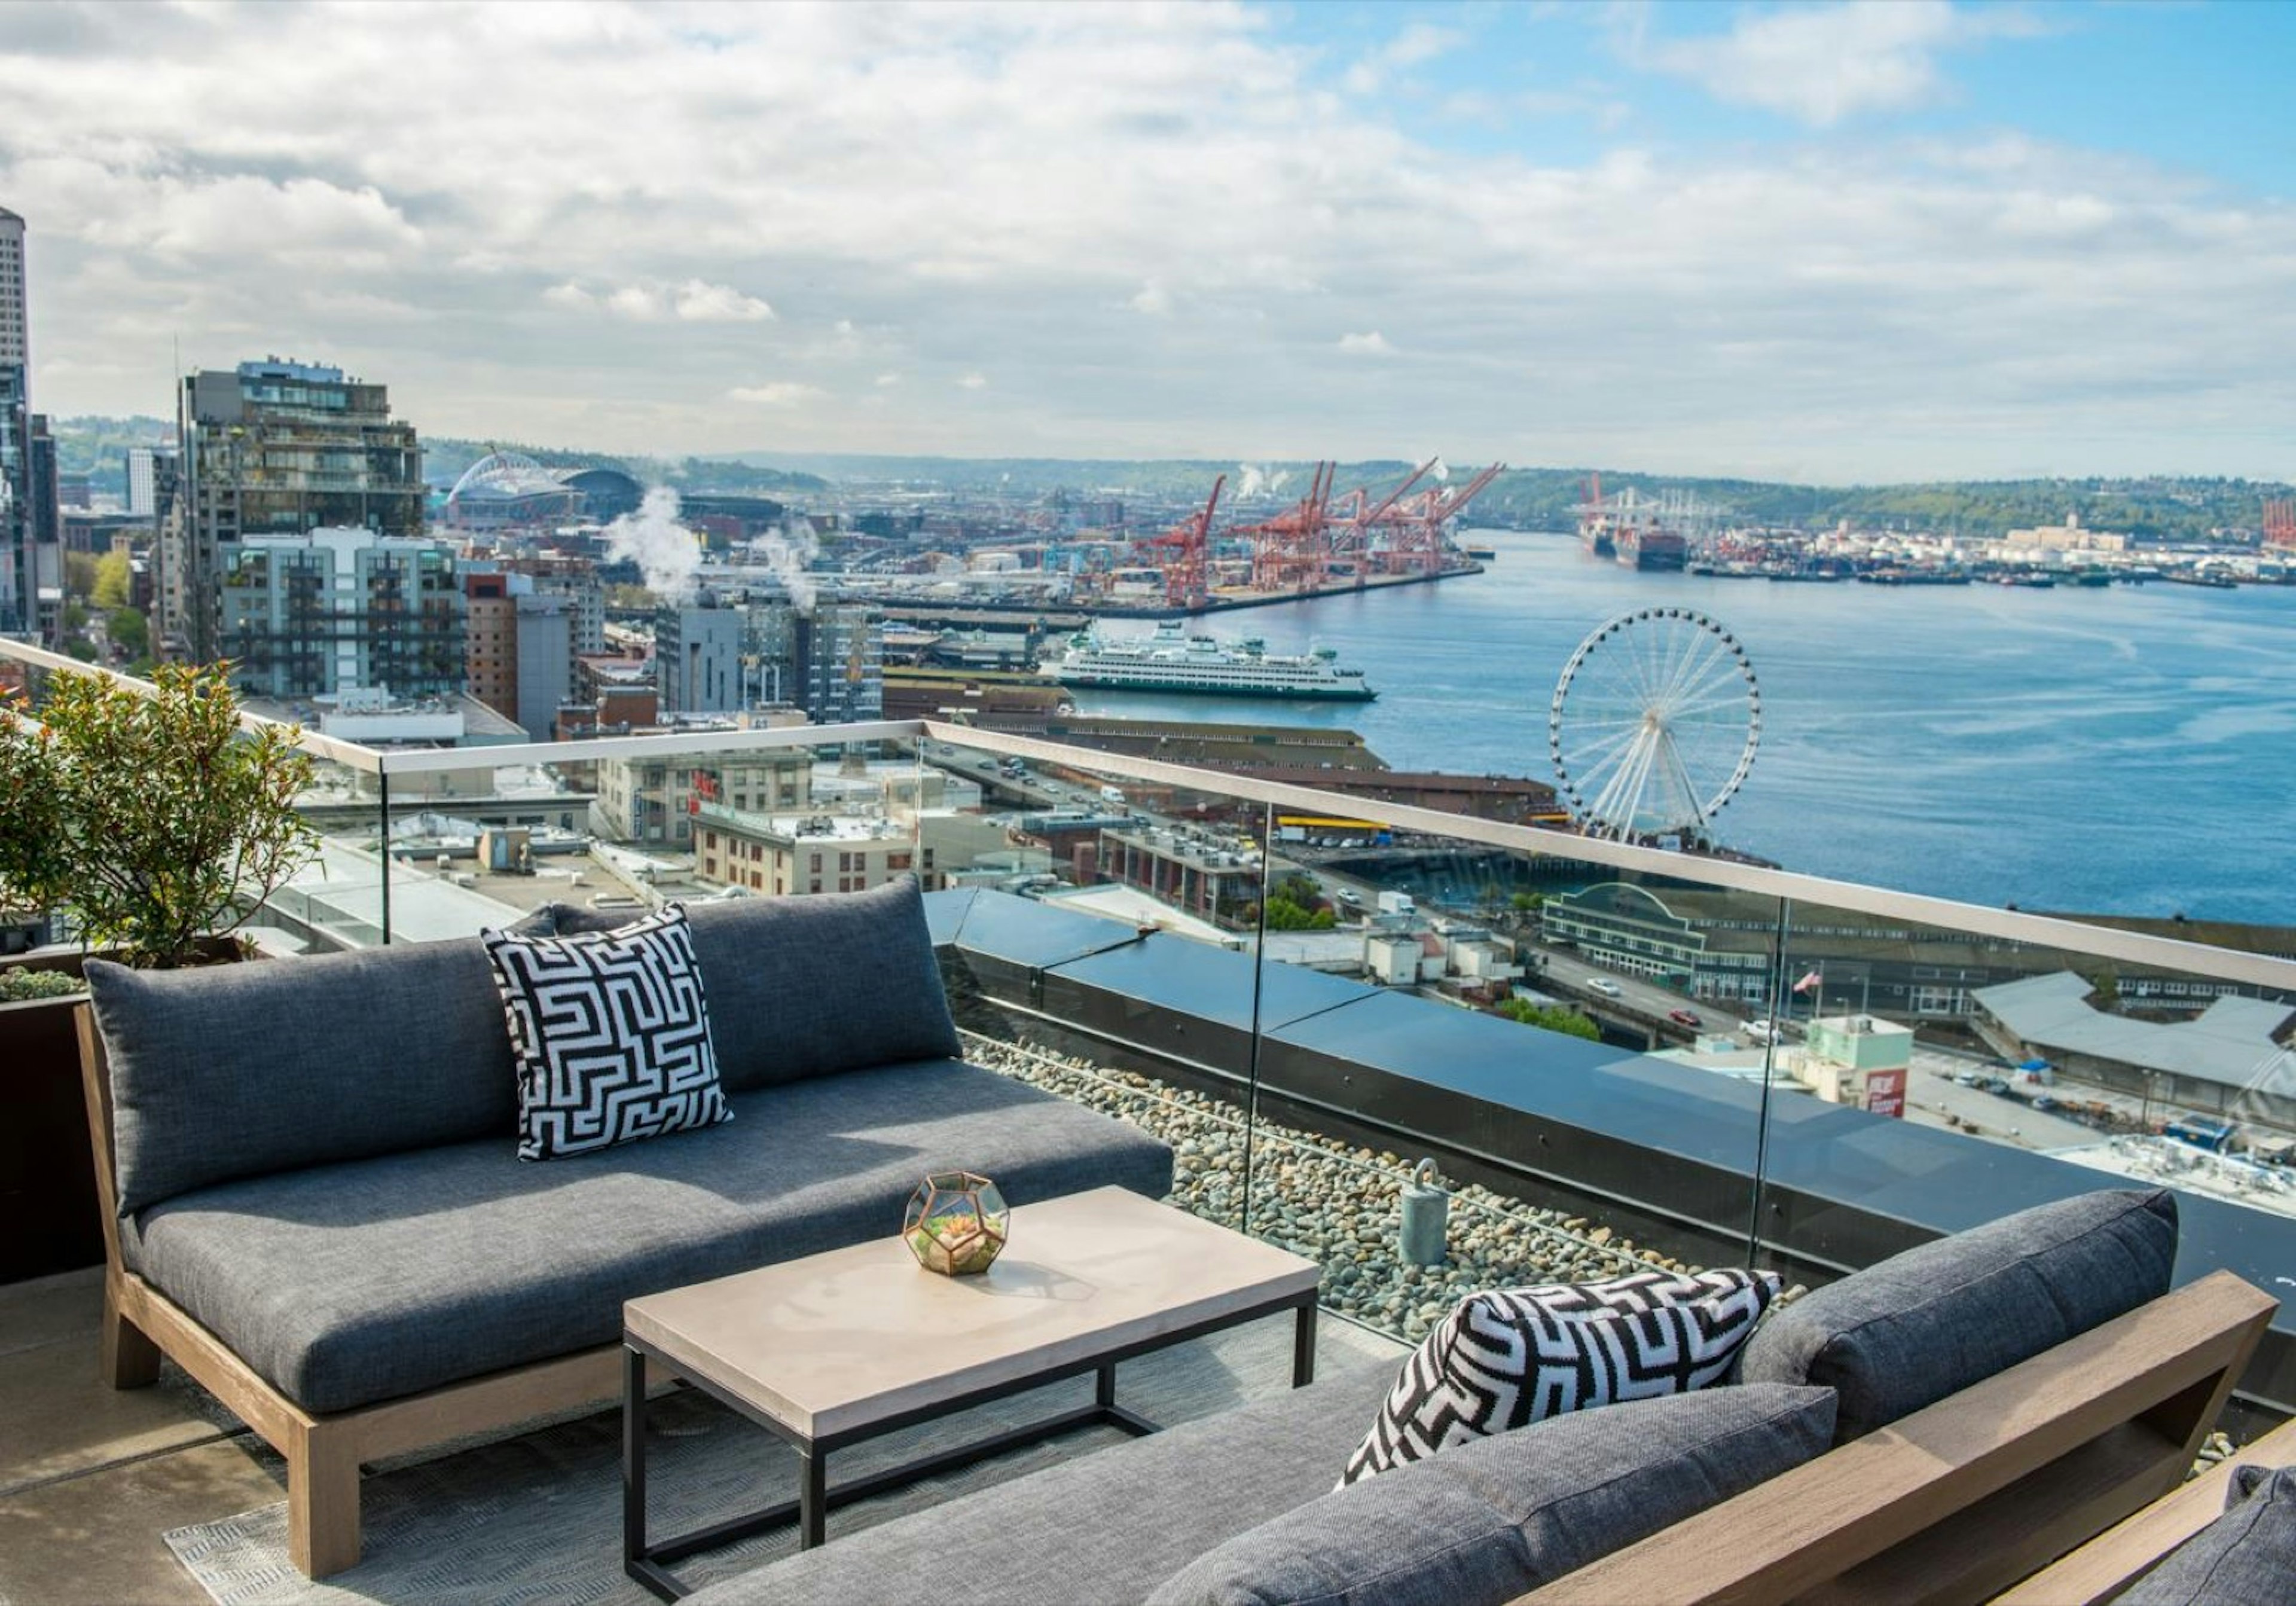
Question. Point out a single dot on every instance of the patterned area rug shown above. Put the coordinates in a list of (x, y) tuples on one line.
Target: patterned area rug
[(537, 1519)]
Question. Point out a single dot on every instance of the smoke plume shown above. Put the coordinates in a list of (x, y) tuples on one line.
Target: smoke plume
[(661, 547), (1250, 479)]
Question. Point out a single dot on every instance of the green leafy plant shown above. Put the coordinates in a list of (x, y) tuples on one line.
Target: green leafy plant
[(156, 818), (1553, 1017), (22, 987)]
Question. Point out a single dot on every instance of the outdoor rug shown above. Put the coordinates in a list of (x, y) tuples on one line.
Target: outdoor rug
[(537, 1519)]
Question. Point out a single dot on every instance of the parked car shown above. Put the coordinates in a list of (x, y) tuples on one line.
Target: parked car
[(1969, 1078), (2045, 1103), (1760, 1031), (1609, 989), (1689, 1017), (1995, 1085)]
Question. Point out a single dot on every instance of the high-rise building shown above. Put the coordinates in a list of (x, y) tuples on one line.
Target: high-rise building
[(490, 643), (277, 449), (19, 582), (544, 640), (697, 652), (15, 324), (339, 610), (148, 468), (840, 664)]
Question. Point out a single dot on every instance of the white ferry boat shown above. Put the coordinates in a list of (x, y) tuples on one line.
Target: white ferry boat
[(1172, 661)]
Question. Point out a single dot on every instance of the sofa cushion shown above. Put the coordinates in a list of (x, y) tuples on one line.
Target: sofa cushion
[(1507, 1358), (1909, 1331), (1102, 1529), (801, 987), (350, 1284), (1485, 1521), (612, 1033), (217, 1073), (2245, 1558)]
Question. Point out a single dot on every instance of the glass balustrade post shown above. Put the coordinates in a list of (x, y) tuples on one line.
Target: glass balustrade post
[(383, 842)]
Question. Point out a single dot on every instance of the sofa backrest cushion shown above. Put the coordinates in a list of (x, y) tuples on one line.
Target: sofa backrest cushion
[(803, 986), (1906, 1333), (2246, 1556), (1485, 1521), (234, 1070)]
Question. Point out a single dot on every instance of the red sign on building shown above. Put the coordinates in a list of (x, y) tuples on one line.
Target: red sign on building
[(1885, 1092)]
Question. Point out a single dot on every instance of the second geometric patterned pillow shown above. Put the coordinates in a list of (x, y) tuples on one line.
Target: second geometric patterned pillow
[(611, 1035), (1510, 1357)]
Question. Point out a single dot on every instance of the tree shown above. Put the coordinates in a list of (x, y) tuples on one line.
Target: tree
[(79, 573), (1525, 902), (114, 581), (156, 818), (131, 631), (1555, 1018), (1284, 916)]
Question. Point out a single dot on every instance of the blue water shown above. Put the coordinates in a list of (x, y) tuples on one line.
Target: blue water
[(2122, 750)]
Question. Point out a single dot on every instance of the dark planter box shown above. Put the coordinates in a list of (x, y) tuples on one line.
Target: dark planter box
[(47, 1170)]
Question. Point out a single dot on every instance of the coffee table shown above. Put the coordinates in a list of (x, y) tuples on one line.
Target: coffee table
[(838, 1348)]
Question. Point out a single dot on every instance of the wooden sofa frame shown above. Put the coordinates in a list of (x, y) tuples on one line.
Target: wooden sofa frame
[(323, 1454), (1952, 1504), (1961, 1501)]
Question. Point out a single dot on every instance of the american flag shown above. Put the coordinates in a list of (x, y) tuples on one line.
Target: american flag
[(1808, 982)]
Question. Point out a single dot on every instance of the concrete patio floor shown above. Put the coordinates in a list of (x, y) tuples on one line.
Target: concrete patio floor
[(91, 1478)]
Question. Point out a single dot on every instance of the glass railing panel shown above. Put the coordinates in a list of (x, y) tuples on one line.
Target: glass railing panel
[(471, 840), (1466, 1077), (1097, 940), (1940, 1076)]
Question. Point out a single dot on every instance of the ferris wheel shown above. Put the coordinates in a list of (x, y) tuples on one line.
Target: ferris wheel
[(1654, 725)]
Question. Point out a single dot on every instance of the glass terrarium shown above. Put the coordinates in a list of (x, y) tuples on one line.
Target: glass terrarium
[(957, 1223)]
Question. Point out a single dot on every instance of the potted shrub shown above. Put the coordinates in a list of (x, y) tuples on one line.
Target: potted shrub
[(160, 825)]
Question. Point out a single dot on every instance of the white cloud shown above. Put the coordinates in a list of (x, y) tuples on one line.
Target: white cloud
[(1418, 42), (972, 381), (774, 393), (694, 301), (1824, 63), (697, 302), (925, 190)]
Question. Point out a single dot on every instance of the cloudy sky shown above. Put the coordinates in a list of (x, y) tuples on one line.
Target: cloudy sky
[(1891, 241)]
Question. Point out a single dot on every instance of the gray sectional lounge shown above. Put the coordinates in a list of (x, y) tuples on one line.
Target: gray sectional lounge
[(314, 1206), (315, 1197), (1877, 1414)]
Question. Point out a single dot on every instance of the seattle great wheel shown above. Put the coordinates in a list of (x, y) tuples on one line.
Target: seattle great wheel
[(1654, 724)]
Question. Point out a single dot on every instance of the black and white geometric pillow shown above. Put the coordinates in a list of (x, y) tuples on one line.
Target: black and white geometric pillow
[(1507, 1358), (611, 1035)]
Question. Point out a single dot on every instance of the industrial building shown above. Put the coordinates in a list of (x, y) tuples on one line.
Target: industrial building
[(276, 448), (2231, 1060)]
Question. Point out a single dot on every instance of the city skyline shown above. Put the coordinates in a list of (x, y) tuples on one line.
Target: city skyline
[(1819, 244)]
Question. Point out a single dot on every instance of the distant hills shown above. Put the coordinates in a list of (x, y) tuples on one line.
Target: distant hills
[(2153, 508)]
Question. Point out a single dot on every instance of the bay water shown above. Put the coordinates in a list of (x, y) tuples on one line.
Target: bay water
[(2122, 750)]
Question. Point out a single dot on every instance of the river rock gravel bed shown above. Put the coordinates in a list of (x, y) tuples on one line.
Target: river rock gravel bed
[(1337, 1204)]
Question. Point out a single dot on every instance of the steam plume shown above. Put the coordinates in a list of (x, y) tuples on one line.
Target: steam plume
[(661, 547), (787, 555)]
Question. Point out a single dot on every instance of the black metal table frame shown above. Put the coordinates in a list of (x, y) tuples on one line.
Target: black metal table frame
[(649, 1563)]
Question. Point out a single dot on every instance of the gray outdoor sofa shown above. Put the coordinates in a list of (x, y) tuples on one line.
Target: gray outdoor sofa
[(1933, 1428), (314, 1202)]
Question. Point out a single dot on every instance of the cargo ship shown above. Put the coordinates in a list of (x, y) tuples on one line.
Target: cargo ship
[(1172, 660), (1649, 548)]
